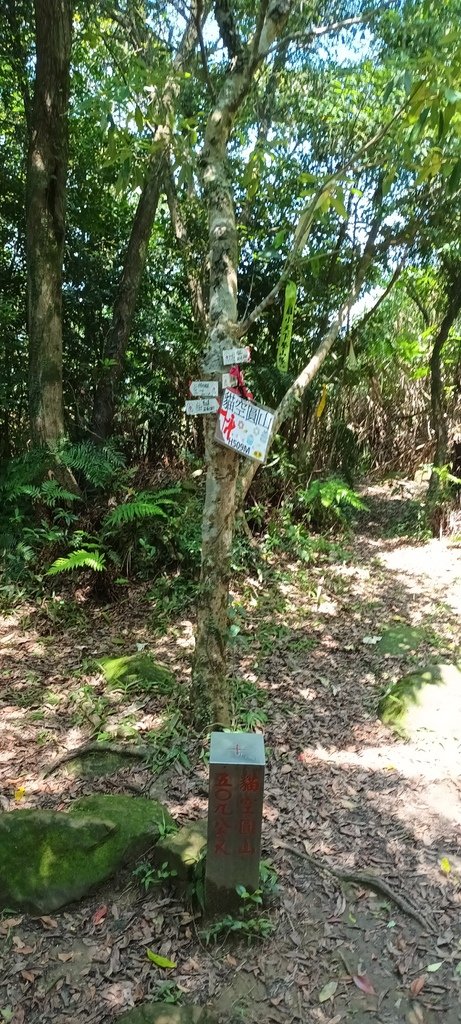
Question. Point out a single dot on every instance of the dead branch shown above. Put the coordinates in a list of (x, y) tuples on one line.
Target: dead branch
[(365, 879)]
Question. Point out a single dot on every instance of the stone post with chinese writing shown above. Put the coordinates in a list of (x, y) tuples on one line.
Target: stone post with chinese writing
[(234, 817)]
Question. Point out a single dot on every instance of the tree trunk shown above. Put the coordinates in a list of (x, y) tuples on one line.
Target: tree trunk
[(210, 697), (104, 403), (105, 396), (438, 410), (45, 218)]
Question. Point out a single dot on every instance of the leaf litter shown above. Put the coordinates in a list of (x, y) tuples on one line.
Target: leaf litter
[(337, 783)]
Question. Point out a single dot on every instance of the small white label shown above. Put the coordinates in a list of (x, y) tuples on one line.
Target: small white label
[(228, 380), (201, 406), (204, 388), (236, 355)]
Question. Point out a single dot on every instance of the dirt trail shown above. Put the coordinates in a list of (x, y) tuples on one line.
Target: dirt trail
[(338, 785)]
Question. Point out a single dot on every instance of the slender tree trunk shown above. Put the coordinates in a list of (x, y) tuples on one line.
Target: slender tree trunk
[(438, 409), (104, 403), (45, 217), (210, 698), (105, 396)]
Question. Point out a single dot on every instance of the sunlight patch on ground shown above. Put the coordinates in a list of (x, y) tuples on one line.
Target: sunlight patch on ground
[(434, 771), (437, 560)]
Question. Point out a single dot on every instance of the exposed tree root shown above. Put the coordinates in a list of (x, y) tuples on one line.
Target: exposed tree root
[(367, 880), (93, 747)]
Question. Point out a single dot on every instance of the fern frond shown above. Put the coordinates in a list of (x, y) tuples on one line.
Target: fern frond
[(77, 560), (130, 511), (98, 465), (51, 492)]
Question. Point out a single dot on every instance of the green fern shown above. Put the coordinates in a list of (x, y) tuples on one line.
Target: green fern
[(146, 505), (98, 465), (78, 560)]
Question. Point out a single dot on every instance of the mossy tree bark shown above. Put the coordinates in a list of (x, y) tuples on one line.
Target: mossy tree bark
[(210, 698), (45, 217)]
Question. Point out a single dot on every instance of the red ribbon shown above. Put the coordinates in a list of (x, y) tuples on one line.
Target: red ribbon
[(236, 372)]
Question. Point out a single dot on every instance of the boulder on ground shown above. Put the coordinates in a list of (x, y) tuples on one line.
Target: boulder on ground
[(182, 851), (137, 673), (50, 858), (426, 700)]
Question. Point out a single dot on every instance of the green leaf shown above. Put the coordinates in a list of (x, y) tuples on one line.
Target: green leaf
[(389, 87), (455, 177), (328, 991), (138, 116), (338, 204), (78, 560), (432, 968), (160, 961), (280, 238)]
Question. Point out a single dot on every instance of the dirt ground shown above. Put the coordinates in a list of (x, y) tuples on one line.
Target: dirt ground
[(342, 794)]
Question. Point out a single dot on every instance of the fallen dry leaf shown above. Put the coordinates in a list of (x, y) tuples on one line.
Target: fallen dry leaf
[(364, 984), (328, 991), (417, 985), (99, 915), (49, 922), (416, 1015), (65, 957), (10, 922)]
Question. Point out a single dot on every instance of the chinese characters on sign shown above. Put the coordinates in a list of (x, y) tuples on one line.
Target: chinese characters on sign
[(234, 816), (244, 426), (204, 388), (236, 355), (199, 406)]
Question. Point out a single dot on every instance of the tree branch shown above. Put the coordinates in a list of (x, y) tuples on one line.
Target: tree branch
[(180, 232), (228, 30), (200, 18), (306, 219), (295, 392), (371, 312), (335, 26)]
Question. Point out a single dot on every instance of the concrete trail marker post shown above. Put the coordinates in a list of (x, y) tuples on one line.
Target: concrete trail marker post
[(235, 802)]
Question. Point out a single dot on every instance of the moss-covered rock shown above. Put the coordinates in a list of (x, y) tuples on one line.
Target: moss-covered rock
[(137, 673), (182, 851), (399, 639), (428, 699), (49, 858), (165, 1013), (94, 765)]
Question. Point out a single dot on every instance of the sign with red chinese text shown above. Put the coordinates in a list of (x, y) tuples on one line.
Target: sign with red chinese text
[(244, 426), (234, 816), (204, 388)]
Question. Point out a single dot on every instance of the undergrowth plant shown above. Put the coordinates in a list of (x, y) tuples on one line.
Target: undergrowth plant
[(249, 920), (149, 876), (107, 528), (327, 503)]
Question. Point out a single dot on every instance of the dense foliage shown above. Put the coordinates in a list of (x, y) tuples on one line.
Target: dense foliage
[(344, 166)]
